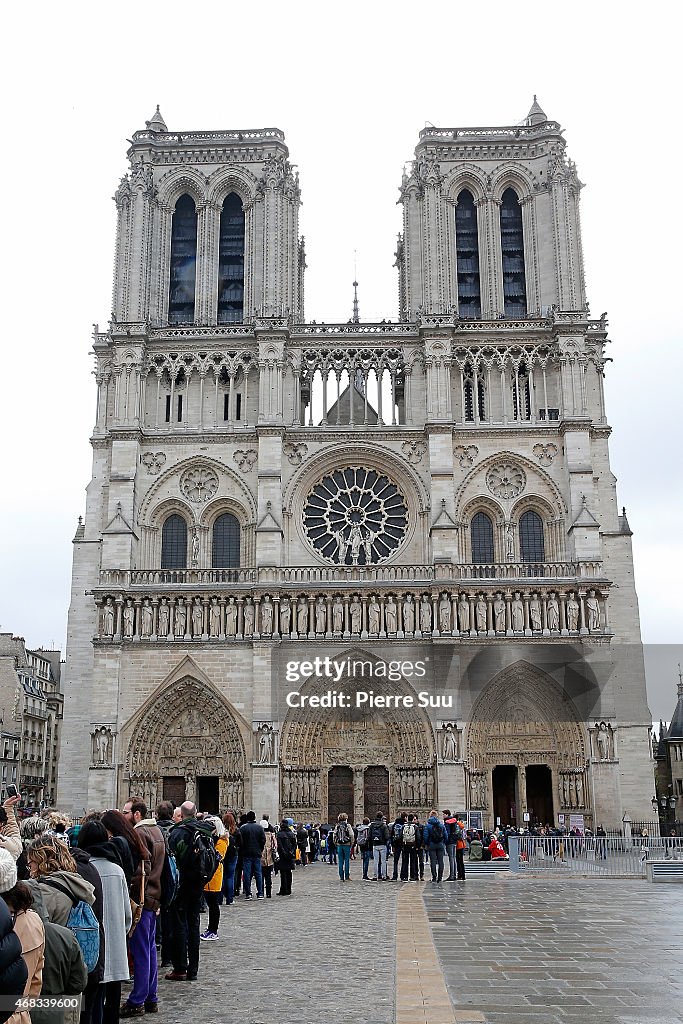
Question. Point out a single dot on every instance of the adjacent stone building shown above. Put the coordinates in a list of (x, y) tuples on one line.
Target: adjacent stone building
[(427, 502), (668, 754), (31, 710)]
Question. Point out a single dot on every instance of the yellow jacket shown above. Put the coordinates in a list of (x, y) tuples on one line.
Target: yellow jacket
[(215, 884)]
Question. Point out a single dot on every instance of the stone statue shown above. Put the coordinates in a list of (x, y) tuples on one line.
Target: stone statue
[(102, 738), (231, 617), (164, 618), (450, 744), (464, 613), (356, 613), (320, 616), (408, 614), (374, 615), (422, 783), (602, 739), (391, 615), (430, 788), (214, 618), (129, 620), (509, 542), (552, 609), (147, 617), (302, 617), (197, 617), (180, 618), (535, 613), (572, 613), (266, 616), (248, 618), (499, 613), (565, 791), (480, 613), (592, 611), (517, 614), (425, 614), (286, 789), (108, 617), (285, 616), (337, 616), (445, 614), (265, 745), (195, 548)]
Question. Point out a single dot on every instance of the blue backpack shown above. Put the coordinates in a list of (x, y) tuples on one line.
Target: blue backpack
[(84, 925), (170, 879)]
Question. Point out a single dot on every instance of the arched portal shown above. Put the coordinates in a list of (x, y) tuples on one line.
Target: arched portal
[(526, 751), (387, 755), (185, 744)]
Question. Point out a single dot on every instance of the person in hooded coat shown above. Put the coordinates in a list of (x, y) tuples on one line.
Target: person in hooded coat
[(13, 969)]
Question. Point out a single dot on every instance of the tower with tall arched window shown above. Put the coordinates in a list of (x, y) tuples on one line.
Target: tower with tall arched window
[(428, 497)]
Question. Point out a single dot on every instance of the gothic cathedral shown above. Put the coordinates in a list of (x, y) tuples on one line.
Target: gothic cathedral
[(357, 566)]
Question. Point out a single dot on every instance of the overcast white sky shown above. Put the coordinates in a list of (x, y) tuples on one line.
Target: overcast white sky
[(351, 85)]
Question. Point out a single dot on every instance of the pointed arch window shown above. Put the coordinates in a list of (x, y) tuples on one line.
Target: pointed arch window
[(521, 394), (231, 262), (531, 539), (481, 535), (512, 250), (174, 543), (467, 257), (183, 262), (226, 543)]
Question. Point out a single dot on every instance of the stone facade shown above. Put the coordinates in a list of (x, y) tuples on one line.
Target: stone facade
[(434, 489)]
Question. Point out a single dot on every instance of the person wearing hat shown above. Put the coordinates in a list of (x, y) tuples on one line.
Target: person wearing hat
[(213, 887), (28, 928)]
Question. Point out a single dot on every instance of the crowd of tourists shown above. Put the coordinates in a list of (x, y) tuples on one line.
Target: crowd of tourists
[(88, 907)]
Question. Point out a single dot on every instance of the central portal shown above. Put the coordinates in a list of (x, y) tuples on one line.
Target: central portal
[(375, 791), (339, 792), (505, 794), (539, 794)]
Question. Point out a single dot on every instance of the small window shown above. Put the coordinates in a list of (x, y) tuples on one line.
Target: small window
[(238, 407), (481, 531), (531, 539), (168, 408), (174, 543), (180, 408), (226, 543)]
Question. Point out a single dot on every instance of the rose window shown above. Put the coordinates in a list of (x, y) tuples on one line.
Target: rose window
[(199, 484), (355, 516), (506, 480)]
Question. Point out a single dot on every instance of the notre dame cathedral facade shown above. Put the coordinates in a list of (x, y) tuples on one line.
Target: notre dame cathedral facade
[(431, 489)]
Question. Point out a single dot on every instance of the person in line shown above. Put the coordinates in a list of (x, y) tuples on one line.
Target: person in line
[(183, 839), (363, 843), (314, 842), (165, 823), (104, 855), (460, 847), (269, 856), (378, 836), (253, 842), (90, 873), (286, 848), (409, 849), (10, 837), (344, 840), (450, 822), (302, 843), (397, 842), (213, 887), (27, 926), (231, 858), (126, 840), (144, 997), (434, 836), (13, 970)]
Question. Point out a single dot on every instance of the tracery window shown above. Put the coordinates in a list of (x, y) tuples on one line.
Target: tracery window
[(521, 394), (512, 250), (469, 390), (467, 257), (226, 543), (531, 539), (183, 262), (231, 262), (481, 535), (174, 543)]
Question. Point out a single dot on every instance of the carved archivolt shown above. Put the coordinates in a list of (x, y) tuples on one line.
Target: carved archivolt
[(523, 717)]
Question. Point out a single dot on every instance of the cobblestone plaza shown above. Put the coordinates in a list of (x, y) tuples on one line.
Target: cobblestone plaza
[(494, 950)]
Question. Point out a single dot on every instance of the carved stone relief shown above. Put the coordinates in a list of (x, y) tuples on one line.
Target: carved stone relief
[(153, 461), (545, 453), (414, 450), (465, 454), (246, 459), (506, 480), (295, 453), (199, 484), (102, 746)]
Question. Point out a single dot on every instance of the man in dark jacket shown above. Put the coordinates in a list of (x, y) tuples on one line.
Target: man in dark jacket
[(144, 998), (286, 848), (253, 841), (13, 970), (397, 841), (378, 837), (185, 907), (164, 928), (434, 836)]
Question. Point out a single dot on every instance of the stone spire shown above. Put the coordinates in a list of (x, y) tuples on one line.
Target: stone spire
[(623, 523), (536, 115), (676, 728), (157, 123)]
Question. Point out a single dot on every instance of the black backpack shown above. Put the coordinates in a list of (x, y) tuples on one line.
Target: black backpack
[(397, 832), (436, 832), (377, 832), (201, 858)]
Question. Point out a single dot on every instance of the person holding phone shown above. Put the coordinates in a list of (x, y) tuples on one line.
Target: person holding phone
[(10, 839)]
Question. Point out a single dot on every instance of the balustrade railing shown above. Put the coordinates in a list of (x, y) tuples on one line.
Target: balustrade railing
[(590, 855)]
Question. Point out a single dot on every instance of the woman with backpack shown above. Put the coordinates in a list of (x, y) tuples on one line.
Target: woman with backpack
[(104, 856), (434, 835), (231, 860), (344, 838), (212, 889)]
